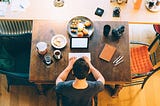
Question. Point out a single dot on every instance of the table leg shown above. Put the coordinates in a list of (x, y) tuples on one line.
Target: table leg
[(114, 90), (43, 88), (40, 89)]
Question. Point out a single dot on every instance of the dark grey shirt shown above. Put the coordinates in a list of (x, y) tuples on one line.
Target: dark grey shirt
[(78, 97)]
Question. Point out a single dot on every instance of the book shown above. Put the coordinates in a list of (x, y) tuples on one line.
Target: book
[(107, 52)]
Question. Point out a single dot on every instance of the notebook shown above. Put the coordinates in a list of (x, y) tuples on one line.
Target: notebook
[(107, 52)]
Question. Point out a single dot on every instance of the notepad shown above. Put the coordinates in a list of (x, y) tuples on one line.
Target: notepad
[(107, 52)]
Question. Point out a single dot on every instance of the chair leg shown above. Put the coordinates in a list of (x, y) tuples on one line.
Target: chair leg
[(96, 100), (58, 99), (8, 88), (116, 91)]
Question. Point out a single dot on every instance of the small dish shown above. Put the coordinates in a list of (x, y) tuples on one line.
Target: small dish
[(154, 7), (58, 41)]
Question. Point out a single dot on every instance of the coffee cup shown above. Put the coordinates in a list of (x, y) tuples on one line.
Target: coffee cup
[(106, 30), (41, 48), (57, 54)]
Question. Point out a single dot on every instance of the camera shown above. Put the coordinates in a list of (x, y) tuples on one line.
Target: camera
[(116, 12), (118, 31)]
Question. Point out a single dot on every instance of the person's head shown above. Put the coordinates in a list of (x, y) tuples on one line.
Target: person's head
[(80, 68)]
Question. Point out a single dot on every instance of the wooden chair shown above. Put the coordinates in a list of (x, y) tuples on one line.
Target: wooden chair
[(59, 100), (144, 62), (15, 58)]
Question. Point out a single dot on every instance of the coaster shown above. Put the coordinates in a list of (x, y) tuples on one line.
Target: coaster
[(99, 11)]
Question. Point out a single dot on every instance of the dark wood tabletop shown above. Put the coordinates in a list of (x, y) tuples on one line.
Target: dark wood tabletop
[(44, 30)]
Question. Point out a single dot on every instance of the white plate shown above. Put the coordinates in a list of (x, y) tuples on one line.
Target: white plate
[(58, 41)]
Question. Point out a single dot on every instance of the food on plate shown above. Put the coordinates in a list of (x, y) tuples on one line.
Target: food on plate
[(73, 30), (85, 31), (58, 41), (73, 26), (80, 27), (80, 34), (87, 24)]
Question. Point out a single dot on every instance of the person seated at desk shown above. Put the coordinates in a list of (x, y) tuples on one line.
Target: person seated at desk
[(79, 92)]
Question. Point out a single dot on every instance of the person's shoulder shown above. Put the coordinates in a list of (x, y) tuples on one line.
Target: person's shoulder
[(96, 84), (63, 85)]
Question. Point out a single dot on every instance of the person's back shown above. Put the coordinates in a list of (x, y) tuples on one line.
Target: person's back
[(79, 92)]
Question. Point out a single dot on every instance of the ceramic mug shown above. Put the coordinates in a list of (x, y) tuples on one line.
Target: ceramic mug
[(57, 54)]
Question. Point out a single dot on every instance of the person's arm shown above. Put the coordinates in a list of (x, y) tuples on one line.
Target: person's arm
[(97, 75), (63, 75)]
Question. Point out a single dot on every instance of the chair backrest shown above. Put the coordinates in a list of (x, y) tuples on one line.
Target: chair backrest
[(15, 58), (157, 28), (59, 100), (15, 26), (154, 49), (16, 43)]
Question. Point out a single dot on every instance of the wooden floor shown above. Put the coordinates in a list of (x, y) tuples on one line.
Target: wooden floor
[(129, 96)]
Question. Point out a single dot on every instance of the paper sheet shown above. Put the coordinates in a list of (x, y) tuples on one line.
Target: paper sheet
[(19, 5), (3, 8), (79, 55)]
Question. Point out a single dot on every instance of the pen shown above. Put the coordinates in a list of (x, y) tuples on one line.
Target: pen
[(118, 63), (116, 59), (119, 59)]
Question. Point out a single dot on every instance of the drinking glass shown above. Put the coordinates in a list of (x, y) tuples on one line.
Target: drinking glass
[(47, 59)]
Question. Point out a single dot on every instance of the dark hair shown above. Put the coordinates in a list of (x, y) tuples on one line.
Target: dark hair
[(80, 68)]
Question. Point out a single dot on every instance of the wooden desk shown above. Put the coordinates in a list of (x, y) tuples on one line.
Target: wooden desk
[(43, 31)]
